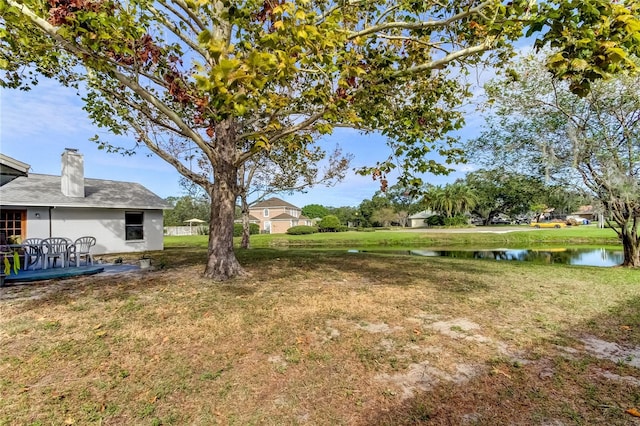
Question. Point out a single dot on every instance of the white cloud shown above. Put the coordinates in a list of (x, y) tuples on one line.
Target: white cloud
[(45, 110), (465, 168)]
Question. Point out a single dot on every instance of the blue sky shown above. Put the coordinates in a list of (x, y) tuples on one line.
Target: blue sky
[(36, 126)]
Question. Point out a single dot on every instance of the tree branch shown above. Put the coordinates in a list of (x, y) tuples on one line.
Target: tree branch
[(419, 25), (386, 12), (175, 30), (338, 7), (285, 132), (439, 63), (173, 160), (180, 16), (52, 31), (146, 112), (200, 26)]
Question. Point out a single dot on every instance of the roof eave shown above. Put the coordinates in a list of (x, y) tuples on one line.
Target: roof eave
[(86, 206), (17, 165)]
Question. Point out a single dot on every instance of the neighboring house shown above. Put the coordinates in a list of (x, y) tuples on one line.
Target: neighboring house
[(275, 216), (586, 212), (418, 220), (123, 216)]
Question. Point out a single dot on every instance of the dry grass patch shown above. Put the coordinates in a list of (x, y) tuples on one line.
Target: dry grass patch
[(319, 338)]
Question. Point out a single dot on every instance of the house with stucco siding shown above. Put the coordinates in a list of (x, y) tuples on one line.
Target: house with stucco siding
[(418, 220), (275, 216), (122, 216)]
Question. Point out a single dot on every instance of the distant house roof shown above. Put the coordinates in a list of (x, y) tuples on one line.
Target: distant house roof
[(10, 168), (422, 215), (44, 190), (284, 216), (585, 210), (287, 216), (274, 202)]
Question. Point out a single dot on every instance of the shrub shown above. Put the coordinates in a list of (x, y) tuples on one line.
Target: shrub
[(302, 230), (435, 220), (253, 229), (329, 223), (458, 220), (438, 220)]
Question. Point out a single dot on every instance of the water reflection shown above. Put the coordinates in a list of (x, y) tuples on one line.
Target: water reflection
[(589, 257)]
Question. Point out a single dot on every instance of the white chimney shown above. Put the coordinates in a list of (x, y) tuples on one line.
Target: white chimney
[(72, 182)]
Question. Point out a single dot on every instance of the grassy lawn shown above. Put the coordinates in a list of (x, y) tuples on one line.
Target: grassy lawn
[(525, 236), (324, 338), (454, 237)]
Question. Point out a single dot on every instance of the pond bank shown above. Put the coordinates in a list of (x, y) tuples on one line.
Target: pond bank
[(509, 236)]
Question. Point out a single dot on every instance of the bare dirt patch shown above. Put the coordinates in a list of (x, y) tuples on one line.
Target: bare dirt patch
[(612, 351)]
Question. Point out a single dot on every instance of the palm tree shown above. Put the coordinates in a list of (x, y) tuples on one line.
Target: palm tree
[(451, 200), (463, 196)]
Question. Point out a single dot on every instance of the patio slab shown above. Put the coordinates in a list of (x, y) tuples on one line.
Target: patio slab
[(48, 274)]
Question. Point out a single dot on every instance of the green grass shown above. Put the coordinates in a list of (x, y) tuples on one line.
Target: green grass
[(316, 336), (581, 235)]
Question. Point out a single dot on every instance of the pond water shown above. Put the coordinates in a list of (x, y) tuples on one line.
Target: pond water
[(568, 256)]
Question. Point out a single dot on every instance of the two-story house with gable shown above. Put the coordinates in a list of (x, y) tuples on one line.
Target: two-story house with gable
[(275, 216)]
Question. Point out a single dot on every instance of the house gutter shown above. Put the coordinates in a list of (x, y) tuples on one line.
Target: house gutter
[(50, 224)]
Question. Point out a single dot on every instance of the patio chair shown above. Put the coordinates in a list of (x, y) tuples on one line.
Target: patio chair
[(32, 248), (82, 248), (55, 248)]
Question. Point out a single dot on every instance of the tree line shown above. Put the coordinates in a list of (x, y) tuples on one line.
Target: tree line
[(484, 194)]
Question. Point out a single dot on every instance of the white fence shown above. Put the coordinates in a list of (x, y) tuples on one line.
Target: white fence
[(185, 230)]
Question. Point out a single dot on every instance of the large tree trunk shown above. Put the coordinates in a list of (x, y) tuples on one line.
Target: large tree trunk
[(222, 263), (631, 247), (625, 215)]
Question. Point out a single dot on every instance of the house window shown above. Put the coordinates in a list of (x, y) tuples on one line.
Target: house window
[(266, 213), (12, 223), (134, 225)]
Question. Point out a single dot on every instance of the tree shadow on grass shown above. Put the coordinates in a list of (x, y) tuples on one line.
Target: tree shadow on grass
[(400, 270), (555, 384), (263, 264)]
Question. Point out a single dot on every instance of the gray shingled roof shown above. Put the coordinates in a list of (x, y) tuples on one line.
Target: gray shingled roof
[(44, 190), (273, 202), (421, 215)]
